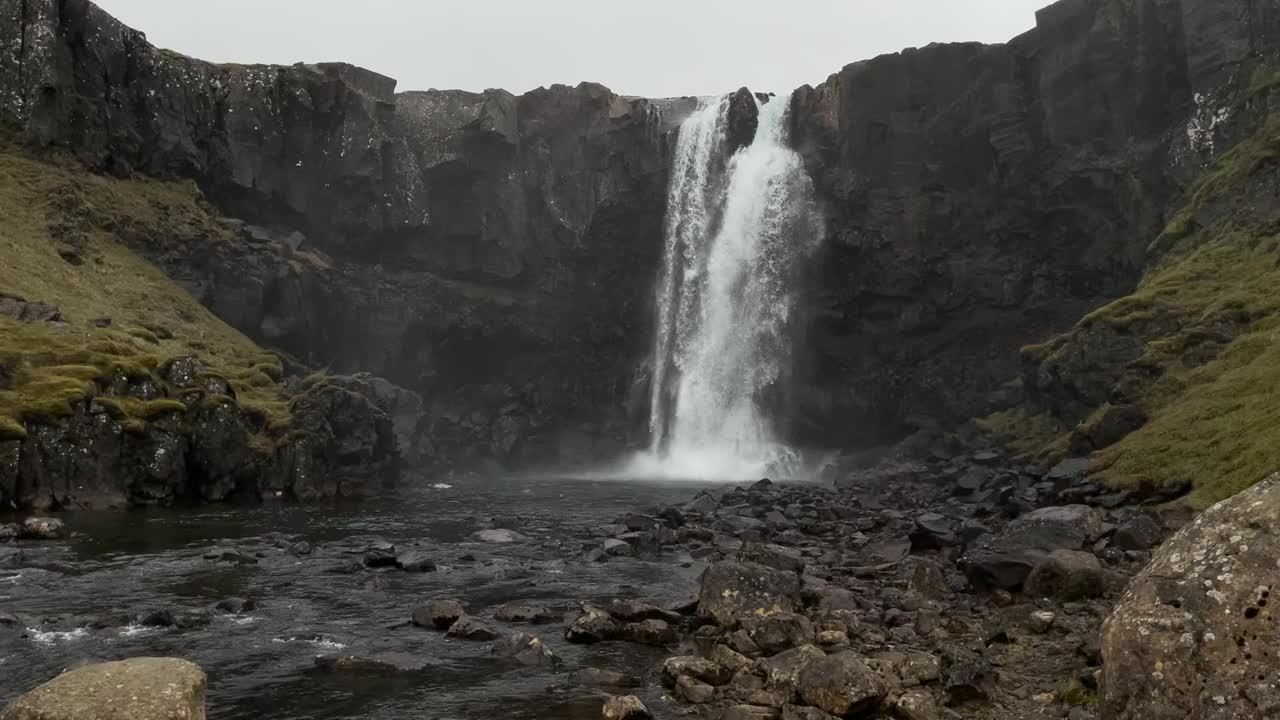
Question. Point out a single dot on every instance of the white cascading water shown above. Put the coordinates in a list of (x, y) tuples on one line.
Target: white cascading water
[(736, 233)]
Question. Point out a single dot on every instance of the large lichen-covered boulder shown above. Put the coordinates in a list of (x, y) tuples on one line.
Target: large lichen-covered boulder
[(732, 590), (1196, 634), (134, 689)]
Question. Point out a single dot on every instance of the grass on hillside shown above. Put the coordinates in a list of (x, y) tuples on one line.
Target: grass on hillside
[(43, 367), (1208, 312)]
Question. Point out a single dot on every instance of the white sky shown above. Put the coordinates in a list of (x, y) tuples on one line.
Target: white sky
[(636, 47)]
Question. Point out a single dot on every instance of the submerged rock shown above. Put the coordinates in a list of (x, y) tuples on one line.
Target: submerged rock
[(625, 707), (39, 528), (499, 536), (469, 628), (527, 650), (135, 689), (440, 614), (525, 614)]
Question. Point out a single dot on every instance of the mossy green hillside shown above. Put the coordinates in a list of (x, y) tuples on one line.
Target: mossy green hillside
[(1208, 314), (49, 207)]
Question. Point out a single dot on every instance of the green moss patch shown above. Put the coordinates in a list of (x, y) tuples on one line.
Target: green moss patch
[(1208, 314), (124, 318)]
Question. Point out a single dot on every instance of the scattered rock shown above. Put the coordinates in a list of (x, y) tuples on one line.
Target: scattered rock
[(593, 625), (377, 664), (750, 712), (605, 678), (499, 536), (469, 628), (380, 554), (1006, 561), (1142, 532), (524, 614), (781, 631), (1068, 575), (841, 684), (695, 667), (1041, 621), (732, 589), (625, 707), (526, 649), (237, 606), (137, 689), (617, 548), (415, 561), (694, 691), (440, 614), (772, 556), (38, 528)]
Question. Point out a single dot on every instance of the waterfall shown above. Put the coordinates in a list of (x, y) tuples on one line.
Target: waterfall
[(737, 231)]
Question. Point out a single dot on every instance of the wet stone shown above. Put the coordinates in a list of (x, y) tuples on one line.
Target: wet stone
[(38, 528), (649, 632), (469, 628), (636, 611), (415, 561), (593, 625), (525, 614), (440, 614), (526, 649), (751, 712), (694, 691), (699, 668), (625, 707), (237, 606), (605, 678)]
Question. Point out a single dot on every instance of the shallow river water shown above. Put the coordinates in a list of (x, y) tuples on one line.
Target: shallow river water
[(262, 664)]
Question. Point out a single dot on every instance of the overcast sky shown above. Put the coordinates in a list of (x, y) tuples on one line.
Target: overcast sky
[(636, 47)]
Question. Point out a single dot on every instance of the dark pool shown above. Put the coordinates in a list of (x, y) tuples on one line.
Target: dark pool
[(262, 664)]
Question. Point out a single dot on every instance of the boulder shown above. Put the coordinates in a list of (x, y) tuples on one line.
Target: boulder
[(750, 712), (1141, 532), (605, 678), (933, 532), (731, 590), (134, 689), (784, 671), (701, 669), (617, 548), (415, 561), (694, 691), (772, 556), (742, 122), (843, 685), (780, 631), (380, 554), (526, 649), (1069, 575), (39, 528), (524, 614), (637, 611), (964, 675), (440, 614), (915, 705), (593, 625), (625, 707), (469, 628), (1004, 562), (499, 536), (656, 633), (1195, 635)]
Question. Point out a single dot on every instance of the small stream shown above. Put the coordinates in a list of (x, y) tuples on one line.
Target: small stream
[(79, 599)]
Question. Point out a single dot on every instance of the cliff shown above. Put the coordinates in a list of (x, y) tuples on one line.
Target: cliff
[(981, 196), (497, 253)]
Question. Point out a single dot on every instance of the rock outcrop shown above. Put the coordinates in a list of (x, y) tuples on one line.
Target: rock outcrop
[(496, 253), (983, 197), (135, 689), (1194, 637)]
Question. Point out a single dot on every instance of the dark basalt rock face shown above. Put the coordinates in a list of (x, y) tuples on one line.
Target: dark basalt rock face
[(496, 253), (982, 197)]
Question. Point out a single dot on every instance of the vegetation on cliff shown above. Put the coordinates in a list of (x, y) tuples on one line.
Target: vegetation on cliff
[(1204, 373), (89, 329), (120, 319)]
